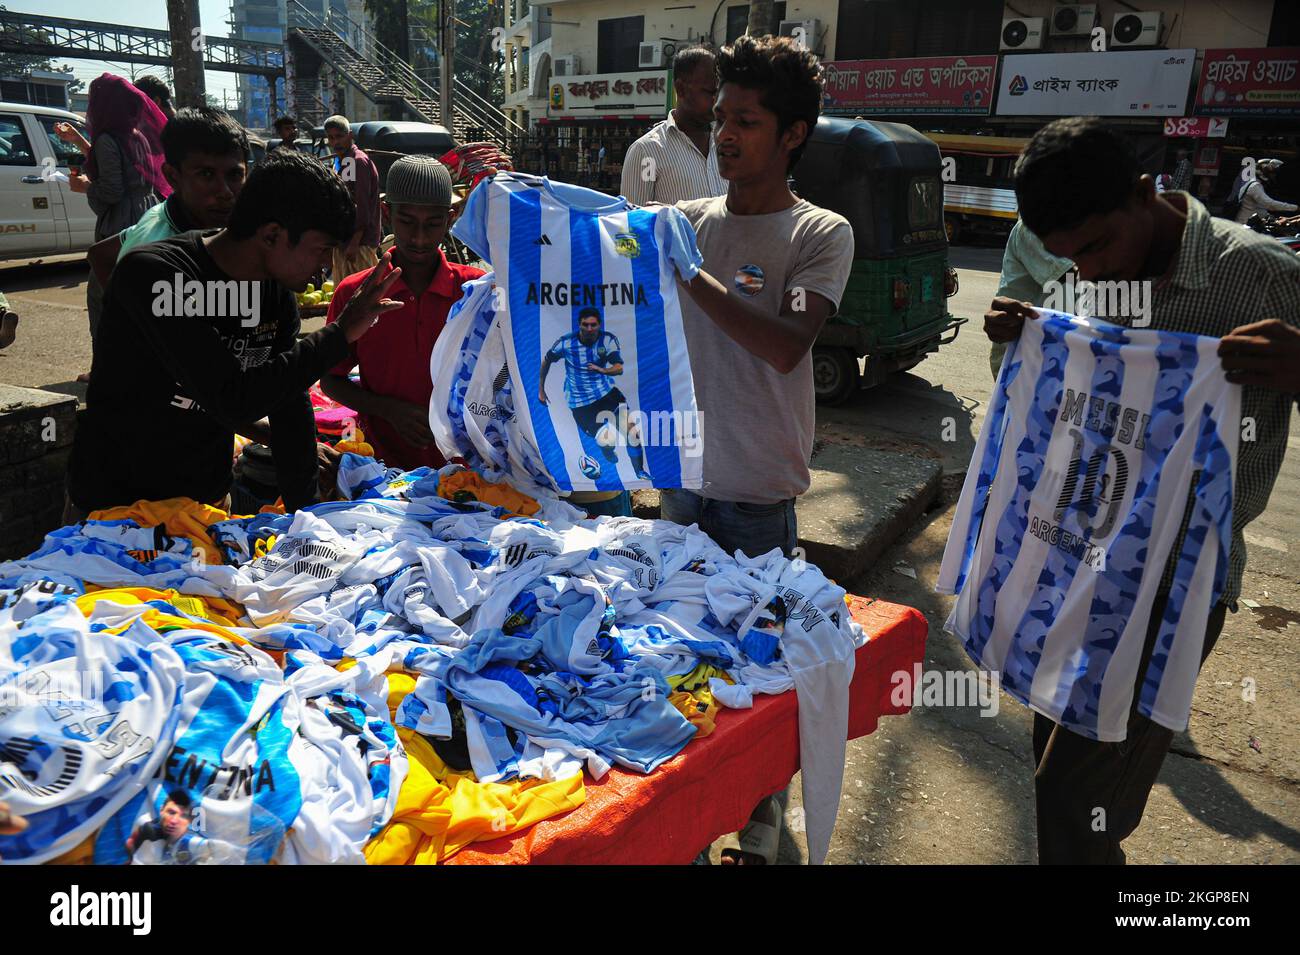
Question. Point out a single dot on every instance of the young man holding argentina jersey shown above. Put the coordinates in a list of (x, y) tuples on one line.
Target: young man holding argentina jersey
[(775, 267)]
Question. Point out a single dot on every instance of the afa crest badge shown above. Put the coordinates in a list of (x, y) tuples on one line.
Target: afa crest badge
[(626, 245)]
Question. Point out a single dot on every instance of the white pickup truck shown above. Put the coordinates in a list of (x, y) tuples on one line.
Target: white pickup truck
[(39, 214)]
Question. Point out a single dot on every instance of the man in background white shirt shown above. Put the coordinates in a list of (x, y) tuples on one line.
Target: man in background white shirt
[(676, 159), (1255, 198)]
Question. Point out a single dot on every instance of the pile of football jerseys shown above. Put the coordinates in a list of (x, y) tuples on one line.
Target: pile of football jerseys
[(566, 366), (1072, 510), (255, 709)]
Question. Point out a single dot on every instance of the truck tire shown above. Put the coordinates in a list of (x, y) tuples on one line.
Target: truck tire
[(835, 374)]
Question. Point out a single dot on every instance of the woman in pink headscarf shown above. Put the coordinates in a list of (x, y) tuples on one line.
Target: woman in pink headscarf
[(123, 164)]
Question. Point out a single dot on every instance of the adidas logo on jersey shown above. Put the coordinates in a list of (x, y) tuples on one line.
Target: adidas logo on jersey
[(544, 240)]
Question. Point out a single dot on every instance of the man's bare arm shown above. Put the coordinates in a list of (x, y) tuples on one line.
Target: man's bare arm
[(781, 340)]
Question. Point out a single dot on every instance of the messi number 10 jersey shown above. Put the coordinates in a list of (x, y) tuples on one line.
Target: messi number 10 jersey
[(1073, 506)]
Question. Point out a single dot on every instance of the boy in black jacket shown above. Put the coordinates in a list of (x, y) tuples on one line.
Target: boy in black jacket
[(200, 338)]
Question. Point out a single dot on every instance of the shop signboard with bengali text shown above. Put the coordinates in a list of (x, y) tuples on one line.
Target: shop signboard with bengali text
[(1198, 127), (931, 85), (1263, 81), (608, 94), (1128, 83)]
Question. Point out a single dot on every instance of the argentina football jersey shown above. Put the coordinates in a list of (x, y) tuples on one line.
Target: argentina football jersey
[(1075, 503), (599, 372)]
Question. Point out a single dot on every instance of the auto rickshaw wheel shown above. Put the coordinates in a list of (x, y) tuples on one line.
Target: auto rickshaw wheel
[(835, 374)]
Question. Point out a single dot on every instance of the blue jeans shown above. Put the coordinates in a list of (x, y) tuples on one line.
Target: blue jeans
[(620, 506), (734, 525)]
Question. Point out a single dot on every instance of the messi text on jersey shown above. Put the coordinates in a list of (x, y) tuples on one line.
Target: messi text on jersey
[(1106, 418)]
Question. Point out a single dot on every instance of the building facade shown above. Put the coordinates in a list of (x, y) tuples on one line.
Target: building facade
[(37, 87), (266, 21), (586, 73)]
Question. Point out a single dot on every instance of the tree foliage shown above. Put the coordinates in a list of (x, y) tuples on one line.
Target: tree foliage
[(478, 59)]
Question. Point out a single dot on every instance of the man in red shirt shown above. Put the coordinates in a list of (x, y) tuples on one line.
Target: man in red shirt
[(392, 400)]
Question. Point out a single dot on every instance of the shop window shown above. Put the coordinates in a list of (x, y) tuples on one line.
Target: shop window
[(899, 28), (617, 44)]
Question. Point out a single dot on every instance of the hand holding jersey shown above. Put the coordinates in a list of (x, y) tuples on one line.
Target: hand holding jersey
[(1103, 635), (782, 340), (1005, 318), (1263, 353)]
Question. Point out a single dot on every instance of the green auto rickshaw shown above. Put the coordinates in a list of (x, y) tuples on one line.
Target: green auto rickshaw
[(885, 178)]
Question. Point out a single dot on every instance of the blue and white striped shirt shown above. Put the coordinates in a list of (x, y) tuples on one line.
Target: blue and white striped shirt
[(1071, 508), (557, 250)]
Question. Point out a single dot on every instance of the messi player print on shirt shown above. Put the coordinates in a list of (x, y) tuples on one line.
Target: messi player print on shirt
[(577, 274), (169, 835), (592, 360)]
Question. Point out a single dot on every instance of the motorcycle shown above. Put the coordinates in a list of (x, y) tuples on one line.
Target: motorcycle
[(1285, 229)]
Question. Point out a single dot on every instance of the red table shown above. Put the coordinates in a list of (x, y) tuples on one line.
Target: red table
[(709, 789)]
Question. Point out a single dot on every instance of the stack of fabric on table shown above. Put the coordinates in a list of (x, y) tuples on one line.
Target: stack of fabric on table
[(434, 661)]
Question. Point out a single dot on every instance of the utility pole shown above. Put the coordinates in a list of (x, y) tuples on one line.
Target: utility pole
[(403, 50), (187, 51), (446, 57)]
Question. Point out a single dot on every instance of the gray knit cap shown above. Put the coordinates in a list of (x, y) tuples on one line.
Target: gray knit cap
[(418, 180)]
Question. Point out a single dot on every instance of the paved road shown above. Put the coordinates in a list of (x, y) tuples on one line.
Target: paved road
[(946, 784)]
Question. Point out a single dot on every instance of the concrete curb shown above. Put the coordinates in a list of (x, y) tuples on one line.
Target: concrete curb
[(860, 502)]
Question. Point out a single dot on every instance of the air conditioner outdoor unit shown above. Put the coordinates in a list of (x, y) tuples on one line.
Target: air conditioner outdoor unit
[(1074, 19), (811, 30), (1137, 29), (651, 55), (1023, 33), (566, 65)]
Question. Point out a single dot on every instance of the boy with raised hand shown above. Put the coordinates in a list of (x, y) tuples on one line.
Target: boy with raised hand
[(392, 399), (205, 162), (200, 337)]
